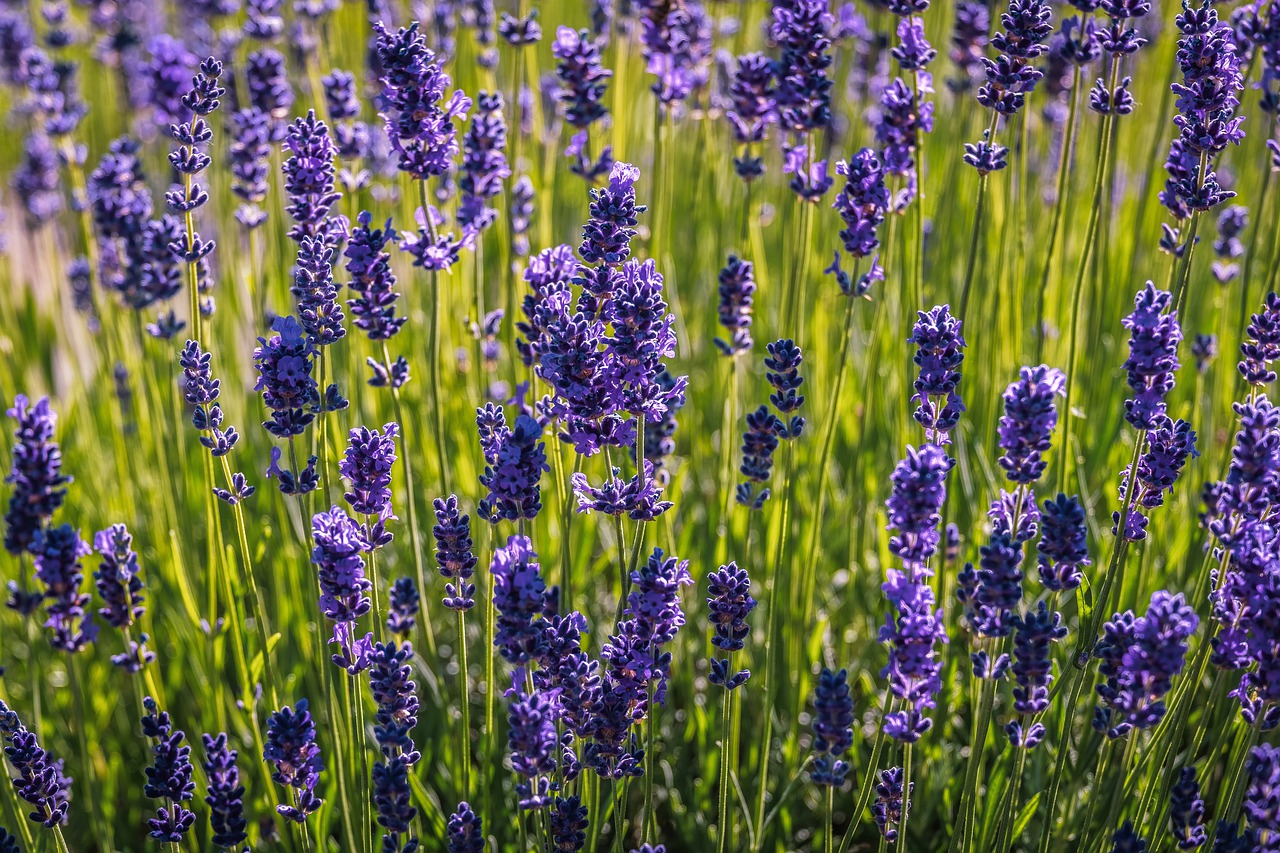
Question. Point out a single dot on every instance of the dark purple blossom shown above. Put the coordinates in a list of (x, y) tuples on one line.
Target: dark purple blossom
[(914, 507), (484, 162), (583, 78), (1028, 422), (454, 555), (419, 126), (168, 777), (309, 177), (802, 31), (344, 590), (862, 202), (518, 595), (36, 477), (515, 458), (832, 728), (729, 602), (284, 363), (782, 370), (915, 665), (1153, 356), (889, 803), (1262, 346), (292, 751), (1139, 656), (225, 794), (1186, 811), (40, 779), (404, 607), (57, 552), (737, 287), (1032, 669), (395, 693), (939, 354), (1063, 547), (366, 465), (464, 831)]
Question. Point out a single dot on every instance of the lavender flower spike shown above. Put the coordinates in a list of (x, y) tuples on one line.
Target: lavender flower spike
[(1028, 422), (291, 749), (40, 780)]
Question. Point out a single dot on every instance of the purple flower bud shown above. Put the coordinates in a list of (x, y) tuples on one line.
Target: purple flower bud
[(225, 794), (832, 728), (39, 486), (168, 777), (1029, 419), (40, 779)]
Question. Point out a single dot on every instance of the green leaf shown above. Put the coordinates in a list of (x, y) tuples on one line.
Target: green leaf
[(1024, 816)]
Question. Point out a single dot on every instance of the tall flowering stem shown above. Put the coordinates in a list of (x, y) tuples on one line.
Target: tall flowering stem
[(190, 159), (425, 142), (1207, 99)]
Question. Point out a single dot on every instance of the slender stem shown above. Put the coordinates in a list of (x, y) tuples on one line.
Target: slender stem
[(1102, 158), (722, 819), (415, 532), (906, 797), (1059, 202), (434, 356), (465, 703)]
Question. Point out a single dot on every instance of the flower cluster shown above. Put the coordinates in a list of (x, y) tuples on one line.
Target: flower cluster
[(396, 695), (1139, 657), (729, 602), (832, 728), (1029, 419), (515, 459), (168, 777), (752, 93), (39, 486), (413, 84), (225, 794), (40, 780), (914, 668), (454, 555), (737, 294), (291, 749), (939, 354), (309, 177), (120, 588), (201, 391), (339, 543), (915, 505), (1207, 99), (190, 159), (1032, 670)]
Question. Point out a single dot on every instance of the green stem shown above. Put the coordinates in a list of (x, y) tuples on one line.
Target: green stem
[(434, 356)]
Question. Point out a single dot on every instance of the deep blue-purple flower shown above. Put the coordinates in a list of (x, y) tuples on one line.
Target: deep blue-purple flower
[(225, 794), (292, 751), (454, 555)]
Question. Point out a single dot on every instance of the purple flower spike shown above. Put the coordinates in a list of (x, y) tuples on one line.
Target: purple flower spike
[(1029, 419), (832, 728), (464, 831), (1033, 671), (1153, 356), (454, 555), (1063, 546), (40, 779), (284, 363), (729, 603), (367, 467), (915, 666), (344, 589), (583, 78), (1140, 656), (120, 587), (890, 802), (404, 607), (862, 202), (39, 486), (518, 595), (309, 176), (168, 777), (939, 354), (919, 490), (57, 552), (291, 749), (737, 294), (1263, 344), (419, 126), (373, 308), (802, 29), (1186, 811), (225, 796), (515, 459)]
